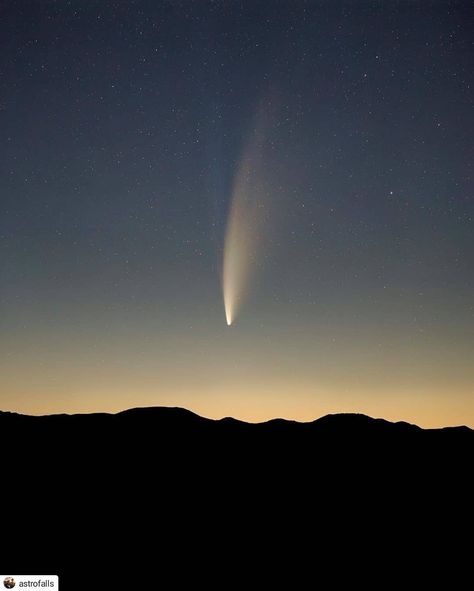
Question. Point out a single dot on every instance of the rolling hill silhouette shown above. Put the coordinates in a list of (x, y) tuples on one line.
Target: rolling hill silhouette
[(177, 434), (168, 420)]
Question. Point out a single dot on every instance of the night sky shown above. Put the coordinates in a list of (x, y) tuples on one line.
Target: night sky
[(125, 127)]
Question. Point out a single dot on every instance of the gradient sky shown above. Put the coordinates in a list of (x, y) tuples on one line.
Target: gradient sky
[(123, 126)]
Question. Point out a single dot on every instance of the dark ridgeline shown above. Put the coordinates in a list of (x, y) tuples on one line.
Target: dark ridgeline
[(175, 439)]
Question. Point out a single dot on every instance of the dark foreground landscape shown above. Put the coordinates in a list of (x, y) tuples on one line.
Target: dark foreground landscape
[(193, 485)]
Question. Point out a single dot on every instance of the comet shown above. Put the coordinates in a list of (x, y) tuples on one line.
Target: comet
[(247, 216)]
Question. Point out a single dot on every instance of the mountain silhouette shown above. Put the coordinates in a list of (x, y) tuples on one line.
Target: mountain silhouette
[(177, 434)]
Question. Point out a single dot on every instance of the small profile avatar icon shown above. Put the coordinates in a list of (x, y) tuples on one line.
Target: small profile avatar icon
[(9, 582)]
